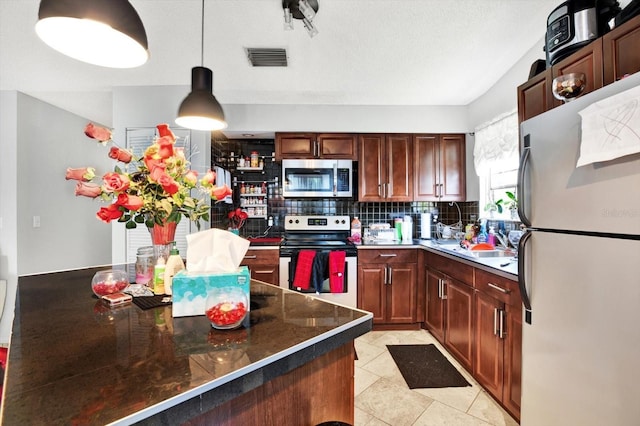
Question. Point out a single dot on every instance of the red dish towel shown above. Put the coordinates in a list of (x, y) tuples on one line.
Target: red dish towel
[(303, 269), (336, 271)]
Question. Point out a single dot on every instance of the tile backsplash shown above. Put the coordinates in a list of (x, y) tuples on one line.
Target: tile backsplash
[(278, 207)]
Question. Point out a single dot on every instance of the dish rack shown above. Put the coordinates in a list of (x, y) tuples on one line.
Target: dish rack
[(453, 228), (382, 232)]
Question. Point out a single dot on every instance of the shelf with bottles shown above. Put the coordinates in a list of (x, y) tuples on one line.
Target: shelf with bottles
[(256, 211)]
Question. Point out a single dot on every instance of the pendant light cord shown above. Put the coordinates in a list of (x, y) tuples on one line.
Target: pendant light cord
[(202, 38)]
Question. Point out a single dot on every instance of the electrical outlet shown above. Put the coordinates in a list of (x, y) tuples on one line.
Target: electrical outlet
[(36, 221)]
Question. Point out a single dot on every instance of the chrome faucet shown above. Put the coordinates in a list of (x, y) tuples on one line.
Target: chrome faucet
[(502, 239)]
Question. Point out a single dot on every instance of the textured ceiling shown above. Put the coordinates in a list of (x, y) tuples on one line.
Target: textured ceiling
[(368, 52)]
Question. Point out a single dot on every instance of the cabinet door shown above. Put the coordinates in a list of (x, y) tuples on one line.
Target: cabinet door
[(587, 60), (620, 51), (489, 355), (459, 321), (295, 145), (401, 293), (534, 96), (399, 168), (372, 290), (513, 361), (263, 265), (338, 146), (372, 168), (452, 168), (434, 317), (425, 166)]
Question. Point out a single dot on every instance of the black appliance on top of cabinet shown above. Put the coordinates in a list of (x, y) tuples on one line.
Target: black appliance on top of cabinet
[(576, 23)]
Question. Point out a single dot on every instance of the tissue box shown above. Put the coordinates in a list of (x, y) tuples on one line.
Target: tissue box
[(190, 289)]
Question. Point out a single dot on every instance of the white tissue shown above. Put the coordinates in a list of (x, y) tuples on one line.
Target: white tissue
[(215, 250)]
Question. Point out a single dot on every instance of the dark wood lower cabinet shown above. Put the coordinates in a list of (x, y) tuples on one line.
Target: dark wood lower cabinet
[(263, 265), (480, 324)]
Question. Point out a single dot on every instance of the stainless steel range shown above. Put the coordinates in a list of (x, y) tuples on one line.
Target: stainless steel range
[(311, 256)]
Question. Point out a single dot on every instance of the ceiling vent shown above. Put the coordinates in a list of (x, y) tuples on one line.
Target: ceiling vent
[(267, 57)]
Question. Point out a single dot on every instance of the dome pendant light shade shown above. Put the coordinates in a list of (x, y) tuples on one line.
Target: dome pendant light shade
[(200, 110), (107, 33)]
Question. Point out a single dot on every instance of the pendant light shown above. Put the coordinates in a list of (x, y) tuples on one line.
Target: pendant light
[(107, 33), (200, 110)]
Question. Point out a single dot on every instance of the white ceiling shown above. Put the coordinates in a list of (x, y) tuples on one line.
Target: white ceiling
[(368, 52)]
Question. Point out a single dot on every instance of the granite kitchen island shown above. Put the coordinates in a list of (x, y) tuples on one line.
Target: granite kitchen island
[(72, 360)]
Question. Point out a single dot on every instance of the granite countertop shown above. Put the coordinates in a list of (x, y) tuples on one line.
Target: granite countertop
[(503, 266), (73, 360)]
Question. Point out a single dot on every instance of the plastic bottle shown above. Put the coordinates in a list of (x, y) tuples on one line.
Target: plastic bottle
[(491, 238), (356, 230), (158, 276), (482, 236), (174, 264)]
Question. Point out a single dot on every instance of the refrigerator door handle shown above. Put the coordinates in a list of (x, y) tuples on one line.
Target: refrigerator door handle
[(524, 160), (522, 282)]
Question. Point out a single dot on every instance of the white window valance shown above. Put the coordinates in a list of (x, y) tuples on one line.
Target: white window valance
[(496, 144)]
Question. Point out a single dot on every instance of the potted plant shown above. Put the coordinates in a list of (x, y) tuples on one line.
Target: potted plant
[(512, 204), (493, 206)]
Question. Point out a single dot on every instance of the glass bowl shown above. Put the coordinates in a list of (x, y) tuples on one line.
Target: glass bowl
[(109, 282), (569, 86), (226, 307)]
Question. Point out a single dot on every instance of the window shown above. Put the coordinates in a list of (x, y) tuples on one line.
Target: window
[(496, 162)]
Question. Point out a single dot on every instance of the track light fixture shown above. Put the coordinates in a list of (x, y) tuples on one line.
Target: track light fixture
[(107, 33), (305, 10), (200, 110)]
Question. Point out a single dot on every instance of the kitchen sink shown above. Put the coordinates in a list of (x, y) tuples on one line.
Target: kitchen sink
[(492, 253)]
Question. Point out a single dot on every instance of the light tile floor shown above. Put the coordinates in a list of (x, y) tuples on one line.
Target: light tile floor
[(383, 398)]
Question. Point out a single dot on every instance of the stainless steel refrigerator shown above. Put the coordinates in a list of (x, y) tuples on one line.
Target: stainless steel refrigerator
[(579, 272)]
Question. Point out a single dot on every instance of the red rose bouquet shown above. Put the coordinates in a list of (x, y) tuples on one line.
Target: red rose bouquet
[(154, 189), (237, 218)]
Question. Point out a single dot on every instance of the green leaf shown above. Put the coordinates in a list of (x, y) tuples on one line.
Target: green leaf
[(139, 219), (131, 225)]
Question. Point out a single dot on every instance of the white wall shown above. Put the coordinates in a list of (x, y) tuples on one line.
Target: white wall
[(39, 141), (8, 207)]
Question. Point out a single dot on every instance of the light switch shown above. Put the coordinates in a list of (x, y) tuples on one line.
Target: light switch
[(36, 221)]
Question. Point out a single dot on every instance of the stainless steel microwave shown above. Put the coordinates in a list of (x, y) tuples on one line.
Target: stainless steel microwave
[(317, 178)]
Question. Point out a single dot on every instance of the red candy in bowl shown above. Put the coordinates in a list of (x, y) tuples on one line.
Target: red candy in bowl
[(109, 282), (226, 307)]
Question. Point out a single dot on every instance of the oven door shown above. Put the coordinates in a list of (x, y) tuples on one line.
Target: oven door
[(347, 297), (317, 178)]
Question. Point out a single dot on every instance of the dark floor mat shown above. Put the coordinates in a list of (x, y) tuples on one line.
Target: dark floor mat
[(424, 366), (148, 302)]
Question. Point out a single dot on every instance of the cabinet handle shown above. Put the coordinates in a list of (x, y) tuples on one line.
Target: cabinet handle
[(387, 255), (386, 191), (497, 287), (441, 289), (270, 271), (251, 257), (495, 321), (501, 333), (386, 272), (390, 274)]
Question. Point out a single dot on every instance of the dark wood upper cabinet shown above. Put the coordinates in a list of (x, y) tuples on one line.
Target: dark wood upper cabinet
[(587, 60), (440, 167), (603, 61), (385, 167), (316, 145), (621, 51), (534, 96)]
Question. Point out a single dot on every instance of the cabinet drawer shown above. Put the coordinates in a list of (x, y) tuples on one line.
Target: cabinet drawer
[(388, 256), (261, 257), (499, 288), (452, 268)]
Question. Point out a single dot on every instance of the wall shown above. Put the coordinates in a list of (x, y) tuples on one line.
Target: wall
[(39, 141), (8, 207)]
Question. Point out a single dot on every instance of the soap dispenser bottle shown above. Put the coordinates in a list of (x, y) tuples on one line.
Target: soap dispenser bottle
[(491, 239), (158, 276), (174, 264)]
